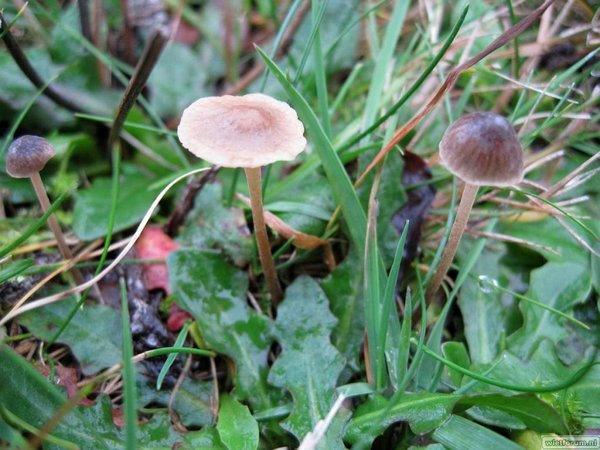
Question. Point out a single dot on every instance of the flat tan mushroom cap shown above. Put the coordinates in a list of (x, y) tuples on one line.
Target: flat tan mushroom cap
[(247, 131), (483, 149)]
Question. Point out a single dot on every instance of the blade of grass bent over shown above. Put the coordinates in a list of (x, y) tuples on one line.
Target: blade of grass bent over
[(171, 358), (61, 295), (116, 174), (33, 227), (341, 185)]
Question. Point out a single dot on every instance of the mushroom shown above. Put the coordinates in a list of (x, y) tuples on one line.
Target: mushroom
[(482, 149), (248, 131), (25, 158)]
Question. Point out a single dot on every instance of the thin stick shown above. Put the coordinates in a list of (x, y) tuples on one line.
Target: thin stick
[(260, 230), (462, 217), (147, 61)]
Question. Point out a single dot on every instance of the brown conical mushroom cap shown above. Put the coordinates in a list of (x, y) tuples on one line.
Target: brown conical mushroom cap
[(482, 148), (248, 131), (27, 156)]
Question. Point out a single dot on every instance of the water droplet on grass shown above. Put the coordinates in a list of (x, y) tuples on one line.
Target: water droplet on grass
[(487, 284)]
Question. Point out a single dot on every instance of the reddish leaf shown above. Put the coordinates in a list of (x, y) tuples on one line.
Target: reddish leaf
[(177, 317), (67, 377), (155, 244)]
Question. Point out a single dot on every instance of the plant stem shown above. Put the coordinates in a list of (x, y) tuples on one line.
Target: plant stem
[(458, 227), (260, 230), (65, 251)]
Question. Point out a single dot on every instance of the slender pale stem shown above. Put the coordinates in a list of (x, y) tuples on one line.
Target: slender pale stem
[(64, 249), (458, 227), (260, 230)]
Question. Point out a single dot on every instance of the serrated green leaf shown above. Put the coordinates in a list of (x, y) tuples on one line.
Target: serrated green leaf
[(309, 365), (423, 411), (92, 205), (237, 428), (559, 285), (459, 433), (211, 225), (215, 294), (94, 334)]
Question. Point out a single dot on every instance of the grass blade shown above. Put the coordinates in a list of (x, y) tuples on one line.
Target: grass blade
[(388, 302), (130, 394), (384, 60), (171, 358), (33, 227)]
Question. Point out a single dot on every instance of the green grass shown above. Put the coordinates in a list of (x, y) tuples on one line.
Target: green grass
[(510, 343)]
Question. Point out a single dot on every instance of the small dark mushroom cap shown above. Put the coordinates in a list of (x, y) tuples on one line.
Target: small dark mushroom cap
[(483, 149), (27, 156)]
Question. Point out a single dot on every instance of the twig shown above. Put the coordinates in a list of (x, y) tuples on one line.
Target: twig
[(147, 61)]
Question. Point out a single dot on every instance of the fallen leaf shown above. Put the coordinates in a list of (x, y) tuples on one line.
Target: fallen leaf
[(155, 244)]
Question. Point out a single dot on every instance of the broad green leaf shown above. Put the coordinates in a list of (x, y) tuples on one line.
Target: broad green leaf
[(542, 368), (459, 433), (423, 411), (92, 205), (533, 412), (211, 225), (559, 285), (174, 90), (548, 233), (33, 399), (482, 310), (457, 353), (192, 401), (309, 365), (94, 334), (344, 288), (205, 439), (494, 417), (237, 428), (215, 294)]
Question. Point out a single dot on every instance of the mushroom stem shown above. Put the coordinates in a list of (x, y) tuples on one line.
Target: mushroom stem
[(458, 227), (260, 230), (64, 249)]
